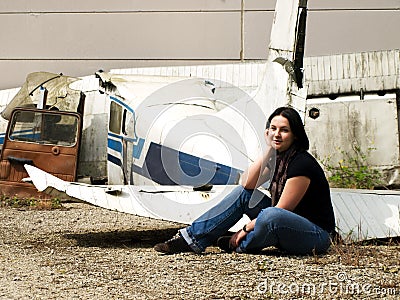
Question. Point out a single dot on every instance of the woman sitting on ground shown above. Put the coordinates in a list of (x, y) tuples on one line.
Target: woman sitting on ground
[(298, 218)]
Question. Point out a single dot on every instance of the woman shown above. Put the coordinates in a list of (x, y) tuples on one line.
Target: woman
[(298, 218)]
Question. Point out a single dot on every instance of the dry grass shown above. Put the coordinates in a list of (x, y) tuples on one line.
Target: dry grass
[(29, 203)]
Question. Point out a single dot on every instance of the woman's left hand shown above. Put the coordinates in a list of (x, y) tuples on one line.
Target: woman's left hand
[(237, 238)]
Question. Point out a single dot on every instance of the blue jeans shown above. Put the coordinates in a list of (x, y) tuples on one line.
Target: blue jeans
[(274, 226)]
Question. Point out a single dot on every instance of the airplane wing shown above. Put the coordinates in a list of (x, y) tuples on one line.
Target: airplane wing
[(360, 215), (171, 203), (366, 214)]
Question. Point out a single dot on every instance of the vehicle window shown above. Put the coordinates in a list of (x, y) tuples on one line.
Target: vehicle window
[(44, 128), (128, 122), (115, 118)]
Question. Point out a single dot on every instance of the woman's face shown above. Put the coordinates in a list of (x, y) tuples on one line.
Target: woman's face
[(279, 134)]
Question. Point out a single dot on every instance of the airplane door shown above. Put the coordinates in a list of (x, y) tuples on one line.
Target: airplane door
[(114, 145), (128, 132), (120, 143)]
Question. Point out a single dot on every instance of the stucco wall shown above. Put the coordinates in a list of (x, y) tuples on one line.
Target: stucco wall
[(80, 37)]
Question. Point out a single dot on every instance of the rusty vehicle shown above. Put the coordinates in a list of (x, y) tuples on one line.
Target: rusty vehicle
[(43, 138)]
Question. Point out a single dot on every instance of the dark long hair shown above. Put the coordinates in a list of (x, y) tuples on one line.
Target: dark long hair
[(296, 125)]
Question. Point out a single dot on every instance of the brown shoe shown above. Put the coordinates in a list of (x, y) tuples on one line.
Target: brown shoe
[(175, 245), (224, 244)]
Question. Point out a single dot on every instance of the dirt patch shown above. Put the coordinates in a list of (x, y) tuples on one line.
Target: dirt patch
[(84, 252)]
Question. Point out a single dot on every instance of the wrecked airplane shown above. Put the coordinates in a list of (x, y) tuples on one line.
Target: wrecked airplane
[(168, 147)]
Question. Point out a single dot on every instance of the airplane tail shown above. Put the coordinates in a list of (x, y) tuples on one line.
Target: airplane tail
[(283, 80)]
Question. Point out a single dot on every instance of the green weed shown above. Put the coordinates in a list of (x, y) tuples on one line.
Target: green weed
[(17, 202), (352, 171)]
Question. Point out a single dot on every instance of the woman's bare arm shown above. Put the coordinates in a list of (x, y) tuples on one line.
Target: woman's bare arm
[(293, 192), (258, 172)]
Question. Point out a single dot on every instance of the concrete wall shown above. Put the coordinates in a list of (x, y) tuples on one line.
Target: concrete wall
[(79, 37), (348, 123)]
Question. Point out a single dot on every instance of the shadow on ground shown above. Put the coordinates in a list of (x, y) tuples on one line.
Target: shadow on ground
[(122, 239)]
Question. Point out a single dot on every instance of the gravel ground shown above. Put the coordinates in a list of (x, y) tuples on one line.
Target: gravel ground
[(84, 252)]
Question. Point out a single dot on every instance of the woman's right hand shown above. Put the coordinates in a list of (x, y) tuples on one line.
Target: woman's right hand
[(237, 238), (268, 137)]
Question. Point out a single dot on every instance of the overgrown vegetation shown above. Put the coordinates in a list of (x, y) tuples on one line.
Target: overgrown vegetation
[(17, 202), (352, 171), (360, 255)]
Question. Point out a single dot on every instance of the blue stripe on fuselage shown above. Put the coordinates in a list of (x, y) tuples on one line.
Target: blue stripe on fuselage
[(115, 160), (114, 145), (137, 149), (122, 104), (168, 166)]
